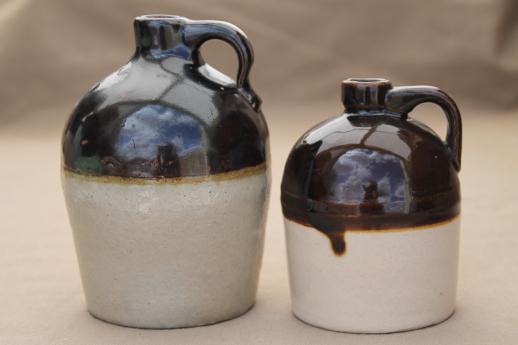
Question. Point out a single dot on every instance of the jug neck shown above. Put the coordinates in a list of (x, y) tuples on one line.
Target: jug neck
[(365, 96), (160, 36)]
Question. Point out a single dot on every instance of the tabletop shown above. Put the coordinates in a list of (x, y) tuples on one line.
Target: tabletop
[(42, 301)]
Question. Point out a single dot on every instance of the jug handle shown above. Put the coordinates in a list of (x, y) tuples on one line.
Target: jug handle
[(402, 100), (198, 32)]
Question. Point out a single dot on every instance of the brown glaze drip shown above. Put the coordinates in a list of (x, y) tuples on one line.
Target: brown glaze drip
[(368, 216), (337, 242), (372, 169)]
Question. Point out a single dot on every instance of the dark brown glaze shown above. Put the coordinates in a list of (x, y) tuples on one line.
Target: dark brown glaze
[(373, 168), (166, 113)]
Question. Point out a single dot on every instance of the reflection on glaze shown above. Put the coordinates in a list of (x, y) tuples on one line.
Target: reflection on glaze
[(166, 113), (370, 169), (364, 174)]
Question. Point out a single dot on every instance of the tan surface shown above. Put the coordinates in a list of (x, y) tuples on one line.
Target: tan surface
[(41, 296), (52, 51)]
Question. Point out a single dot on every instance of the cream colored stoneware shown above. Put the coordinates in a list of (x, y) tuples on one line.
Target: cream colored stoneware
[(387, 281), (168, 254)]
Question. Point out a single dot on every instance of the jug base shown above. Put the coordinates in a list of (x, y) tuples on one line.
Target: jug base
[(171, 326), (374, 332)]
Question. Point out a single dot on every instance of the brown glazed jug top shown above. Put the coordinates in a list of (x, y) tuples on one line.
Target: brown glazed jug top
[(167, 113), (373, 168)]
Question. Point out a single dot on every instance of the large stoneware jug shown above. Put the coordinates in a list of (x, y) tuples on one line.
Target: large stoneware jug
[(371, 201), (165, 170)]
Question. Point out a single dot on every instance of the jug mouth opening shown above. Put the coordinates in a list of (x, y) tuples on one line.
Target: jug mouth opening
[(147, 17), (367, 80)]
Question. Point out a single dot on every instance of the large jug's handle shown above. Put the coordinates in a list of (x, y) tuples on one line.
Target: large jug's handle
[(197, 32), (402, 100)]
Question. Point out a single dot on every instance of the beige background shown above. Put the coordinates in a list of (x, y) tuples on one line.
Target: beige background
[(52, 51)]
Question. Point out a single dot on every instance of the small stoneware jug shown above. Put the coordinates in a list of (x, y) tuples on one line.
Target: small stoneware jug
[(165, 170), (371, 203)]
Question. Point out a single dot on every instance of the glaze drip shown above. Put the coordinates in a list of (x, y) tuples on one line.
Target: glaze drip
[(365, 217), (338, 242)]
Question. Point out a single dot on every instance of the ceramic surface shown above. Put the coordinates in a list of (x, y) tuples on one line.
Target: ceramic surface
[(166, 179), (395, 280), (167, 255), (376, 170)]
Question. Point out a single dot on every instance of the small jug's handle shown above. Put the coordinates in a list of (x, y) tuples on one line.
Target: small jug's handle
[(199, 31), (402, 100)]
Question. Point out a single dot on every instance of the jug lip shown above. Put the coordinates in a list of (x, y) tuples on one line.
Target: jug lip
[(160, 17), (366, 80)]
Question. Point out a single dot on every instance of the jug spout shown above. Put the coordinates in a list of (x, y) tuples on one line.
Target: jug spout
[(162, 36), (159, 35), (364, 94)]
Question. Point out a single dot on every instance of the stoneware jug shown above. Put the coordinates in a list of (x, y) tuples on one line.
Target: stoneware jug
[(165, 170), (371, 203)]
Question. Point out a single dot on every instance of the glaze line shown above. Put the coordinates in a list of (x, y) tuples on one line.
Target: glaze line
[(231, 175)]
